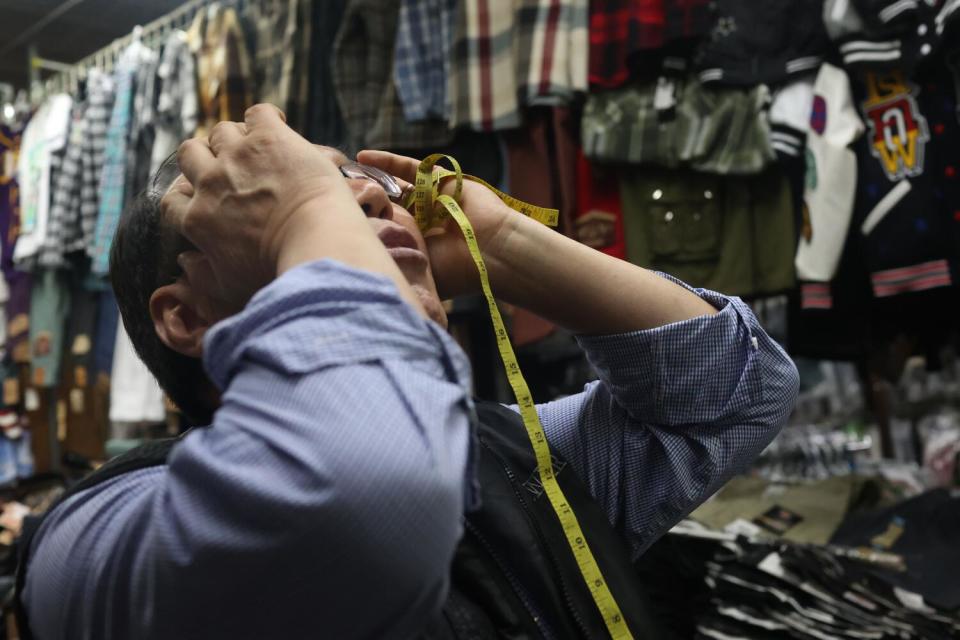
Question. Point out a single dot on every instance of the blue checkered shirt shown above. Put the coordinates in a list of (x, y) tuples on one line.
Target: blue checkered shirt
[(422, 60), (326, 496), (113, 175)]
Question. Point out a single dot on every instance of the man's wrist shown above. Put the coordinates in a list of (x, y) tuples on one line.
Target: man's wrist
[(327, 226)]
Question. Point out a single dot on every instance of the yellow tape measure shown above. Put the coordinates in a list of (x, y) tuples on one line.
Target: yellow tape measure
[(430, 209)]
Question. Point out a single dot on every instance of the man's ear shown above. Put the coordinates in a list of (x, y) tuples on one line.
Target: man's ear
[(176, 319)]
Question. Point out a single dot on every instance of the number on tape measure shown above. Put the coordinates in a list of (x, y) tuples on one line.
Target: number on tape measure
[(431, 208)]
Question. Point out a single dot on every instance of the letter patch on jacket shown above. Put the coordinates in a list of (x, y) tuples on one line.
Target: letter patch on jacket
[(898, 130)]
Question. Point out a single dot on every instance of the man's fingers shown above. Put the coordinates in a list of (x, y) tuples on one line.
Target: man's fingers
[(174, 205), (263, 115), (399, 166), (225, 135), (195, 158)]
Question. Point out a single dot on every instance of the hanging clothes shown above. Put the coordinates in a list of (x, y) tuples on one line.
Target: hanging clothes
[(624, 33), (507, 54), (282, 33), (363, 78), (422, 57), (599, 218), (49, 306), (18, 317), (177, 106), (65, 193), (113, 176), (678, 122), (73, 213), (770, 42), (41, 152), (552, 50), (142, 126), (888, 34), (725, 233), (135, 395), (9, 219), (906, 215), (324, 122), (831, 180), (224, 71)]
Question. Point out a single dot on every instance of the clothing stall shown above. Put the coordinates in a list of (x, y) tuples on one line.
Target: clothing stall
[(801, 154)]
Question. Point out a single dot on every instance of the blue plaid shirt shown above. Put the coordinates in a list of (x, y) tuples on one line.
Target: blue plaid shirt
[(113, 174), (422, 61), (345, 416)]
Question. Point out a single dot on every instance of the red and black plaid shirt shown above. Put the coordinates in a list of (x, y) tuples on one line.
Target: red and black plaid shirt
[(619, 29)]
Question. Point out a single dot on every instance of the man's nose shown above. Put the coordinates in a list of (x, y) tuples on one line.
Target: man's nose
[(372, 198)]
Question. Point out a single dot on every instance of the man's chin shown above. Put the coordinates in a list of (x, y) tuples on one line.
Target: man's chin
[(431, 303)]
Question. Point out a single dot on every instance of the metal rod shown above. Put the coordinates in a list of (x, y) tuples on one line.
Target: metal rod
[(51, 65)]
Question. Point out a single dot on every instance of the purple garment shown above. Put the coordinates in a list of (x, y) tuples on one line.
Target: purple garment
[(18, 315), (9, 200)]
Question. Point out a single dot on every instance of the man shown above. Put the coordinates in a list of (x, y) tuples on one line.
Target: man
[(326, 497)]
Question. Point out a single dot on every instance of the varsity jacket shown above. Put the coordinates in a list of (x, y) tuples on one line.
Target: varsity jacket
[(881, 161), (513, 575), (907, 212), (885, 34), (831, 175)]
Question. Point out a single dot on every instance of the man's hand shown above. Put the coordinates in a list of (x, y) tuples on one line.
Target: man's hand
[(533, 266), (250, 191), (256, 200), (492, 221)]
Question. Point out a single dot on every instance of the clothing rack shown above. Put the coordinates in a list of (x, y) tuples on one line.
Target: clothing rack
[(67, 77)]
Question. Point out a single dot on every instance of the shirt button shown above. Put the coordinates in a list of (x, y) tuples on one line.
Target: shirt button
[(657, 194), (708, 195), (925, 49), (754, 342), (668, 216), (922, 30), (696, 216)]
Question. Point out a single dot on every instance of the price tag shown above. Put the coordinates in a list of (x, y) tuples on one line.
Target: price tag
[(77, 402), (31, 399), (11, 392)]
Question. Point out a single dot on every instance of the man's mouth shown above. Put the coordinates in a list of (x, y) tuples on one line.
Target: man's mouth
[(393, 236), (401, 245)]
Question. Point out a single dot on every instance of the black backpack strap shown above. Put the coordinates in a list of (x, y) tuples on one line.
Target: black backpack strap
[(150, 454)]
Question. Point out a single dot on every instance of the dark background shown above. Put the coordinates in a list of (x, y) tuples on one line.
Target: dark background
[(66, 30)]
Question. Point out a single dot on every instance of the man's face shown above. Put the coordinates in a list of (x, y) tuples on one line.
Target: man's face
[(395, 227)]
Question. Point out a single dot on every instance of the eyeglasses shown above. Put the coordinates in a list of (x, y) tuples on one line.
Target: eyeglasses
[(355, 170)]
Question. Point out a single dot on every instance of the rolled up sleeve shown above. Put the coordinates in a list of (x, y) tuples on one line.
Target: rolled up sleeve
[(676, 412)]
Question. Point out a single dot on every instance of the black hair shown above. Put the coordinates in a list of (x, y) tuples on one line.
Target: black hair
[(143, 257)]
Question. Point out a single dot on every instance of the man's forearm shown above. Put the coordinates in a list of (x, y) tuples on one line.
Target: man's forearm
[(336, 228), (581, 289)]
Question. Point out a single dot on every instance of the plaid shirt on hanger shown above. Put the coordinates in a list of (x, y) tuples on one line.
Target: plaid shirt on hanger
[(364, 83), (482, 85), (65, 194), (508, 53), (552, 49), (621, 29), (223, 66), (282, 33), (274, 27), (422, 57), (113, 177), (76, 194), (177, 108), (100, 97)]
